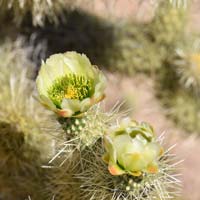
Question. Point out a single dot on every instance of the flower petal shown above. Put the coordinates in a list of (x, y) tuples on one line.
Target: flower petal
[(43, 82), (56, 65), (106, 158), (129, 149), (78, 64), (71, 104), (110, 149), (115, 169), (100, 85), (85, 104), (47, 102), (65, 113)]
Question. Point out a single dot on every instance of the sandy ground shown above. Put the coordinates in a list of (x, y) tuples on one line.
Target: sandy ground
[(139, 93)]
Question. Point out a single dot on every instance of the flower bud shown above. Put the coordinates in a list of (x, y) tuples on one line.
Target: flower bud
[(132, 149)]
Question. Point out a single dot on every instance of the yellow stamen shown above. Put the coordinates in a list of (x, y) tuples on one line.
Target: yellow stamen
[(71, 93)]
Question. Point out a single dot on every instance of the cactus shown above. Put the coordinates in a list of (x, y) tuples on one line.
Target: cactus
[(81, 135), (179, 3), (184, 109), (178, 85), (133, 166), (61, 182), (70, 90), (168, 25), (137, 167), (74, 152), (98, 183), (187, 65), (21, 174), (87, 129), (132, 50), (39, 10), (86, 176), (26, 131)]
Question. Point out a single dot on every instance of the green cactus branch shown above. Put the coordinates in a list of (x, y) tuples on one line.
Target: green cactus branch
[(101, 157), (26, 128)]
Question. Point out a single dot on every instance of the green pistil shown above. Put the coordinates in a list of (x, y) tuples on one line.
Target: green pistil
[(70, 86)]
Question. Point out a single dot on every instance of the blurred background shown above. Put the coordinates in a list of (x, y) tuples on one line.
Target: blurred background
[(148, 49)]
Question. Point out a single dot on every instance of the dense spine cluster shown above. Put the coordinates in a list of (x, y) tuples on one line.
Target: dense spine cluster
[(26, 129)]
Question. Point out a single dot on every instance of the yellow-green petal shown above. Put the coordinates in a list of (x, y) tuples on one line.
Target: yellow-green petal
[(71, 104), (85, 104), (115, 169)]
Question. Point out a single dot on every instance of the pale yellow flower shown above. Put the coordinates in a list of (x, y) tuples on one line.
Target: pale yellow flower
[(69, 85), (132, 148)]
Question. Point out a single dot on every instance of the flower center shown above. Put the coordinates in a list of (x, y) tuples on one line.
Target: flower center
[(70, 86)]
